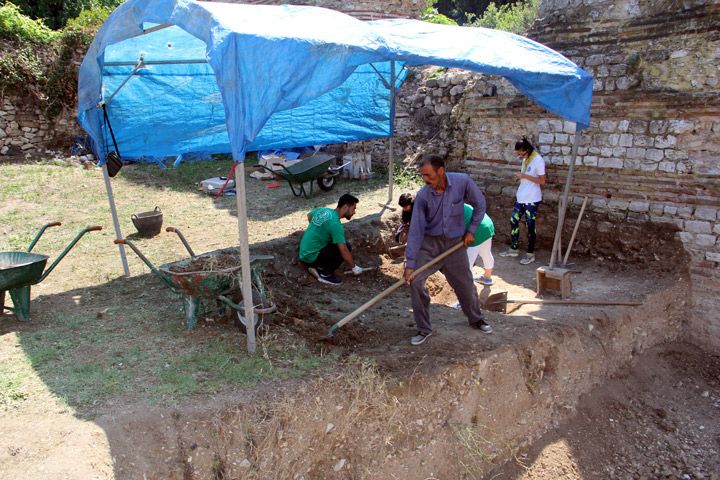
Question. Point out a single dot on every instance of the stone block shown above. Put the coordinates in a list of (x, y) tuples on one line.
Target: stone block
[(619, 151), (543, 126), (636, 153), (680, 126), (569, 127), (546, 138), (638, 126), (621, 205), (716, 229), (656, 208), (684, 212), (706, 213), (561, 138), (676, 155), (665, 141), (654, 154), (686, 237), (608, 126), (712, 256), (457, 90), (646, 166), (639, 206), (614, 139), (705, 240), (544, 149), (659, 127), (590, 160), (555, 125), (606, 151), (612, 162), (668, 167), (624, 125), (643, 141), (698, 226), (626, 140), (594, 60)]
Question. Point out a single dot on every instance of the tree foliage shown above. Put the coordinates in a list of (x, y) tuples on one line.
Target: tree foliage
[(516, 18), (56, 13), (431, 14)]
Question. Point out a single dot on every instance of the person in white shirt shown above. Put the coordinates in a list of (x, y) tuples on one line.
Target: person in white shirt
[(528, 197)]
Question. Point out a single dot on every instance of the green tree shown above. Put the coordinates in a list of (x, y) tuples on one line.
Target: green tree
[(517, 18), (56, 13), (431, 14)]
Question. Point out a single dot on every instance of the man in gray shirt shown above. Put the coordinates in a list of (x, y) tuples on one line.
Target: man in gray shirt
[(437, 225)]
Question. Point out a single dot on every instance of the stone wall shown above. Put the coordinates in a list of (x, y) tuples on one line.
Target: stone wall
[(25, 130), (649, 161)]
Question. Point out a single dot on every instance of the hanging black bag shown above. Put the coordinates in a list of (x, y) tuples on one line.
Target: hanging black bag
[(112, 159)]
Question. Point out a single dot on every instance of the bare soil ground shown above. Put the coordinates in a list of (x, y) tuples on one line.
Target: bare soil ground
[(573, 392)]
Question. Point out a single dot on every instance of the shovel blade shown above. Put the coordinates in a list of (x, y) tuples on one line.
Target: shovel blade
[(497, 302)]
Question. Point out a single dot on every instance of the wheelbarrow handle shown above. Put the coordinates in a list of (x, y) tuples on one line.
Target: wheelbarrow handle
[(67, 249), (39, 234), (163, 277), (182, 239)]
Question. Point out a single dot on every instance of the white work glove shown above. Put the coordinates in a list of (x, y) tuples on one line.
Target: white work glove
[(357, 269)]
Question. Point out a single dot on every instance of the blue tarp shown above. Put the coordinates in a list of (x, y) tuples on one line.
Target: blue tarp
[(233, 77)]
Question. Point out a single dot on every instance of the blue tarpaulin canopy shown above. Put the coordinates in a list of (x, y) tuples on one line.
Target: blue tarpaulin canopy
[(180, 76), (183, 76)]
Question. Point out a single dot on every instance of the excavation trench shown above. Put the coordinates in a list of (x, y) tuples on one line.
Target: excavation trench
[(461, 405)]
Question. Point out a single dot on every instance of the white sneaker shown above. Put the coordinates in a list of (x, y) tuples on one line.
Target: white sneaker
[(419, 338), (510, 252), (527, 259)]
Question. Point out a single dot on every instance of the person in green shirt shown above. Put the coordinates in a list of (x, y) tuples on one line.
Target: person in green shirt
[(482, 246), (323, 247)]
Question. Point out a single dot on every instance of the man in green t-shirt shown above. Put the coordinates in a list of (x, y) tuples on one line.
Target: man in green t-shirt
[(323, 247)]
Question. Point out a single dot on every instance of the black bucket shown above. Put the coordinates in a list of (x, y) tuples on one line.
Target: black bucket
[(148, 224)]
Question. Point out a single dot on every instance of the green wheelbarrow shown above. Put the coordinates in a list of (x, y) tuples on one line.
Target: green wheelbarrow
[(316, 168), (21, 270), (213, 276)]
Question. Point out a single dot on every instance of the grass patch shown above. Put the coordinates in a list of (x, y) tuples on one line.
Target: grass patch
[(97, 339)]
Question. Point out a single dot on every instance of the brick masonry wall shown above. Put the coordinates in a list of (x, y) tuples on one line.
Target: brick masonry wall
[(649, 161)]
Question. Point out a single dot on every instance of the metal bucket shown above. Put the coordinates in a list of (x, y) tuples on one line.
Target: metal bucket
[(148, 224)]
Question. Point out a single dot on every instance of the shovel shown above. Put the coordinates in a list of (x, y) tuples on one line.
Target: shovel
[(391, 289), (497, 302)]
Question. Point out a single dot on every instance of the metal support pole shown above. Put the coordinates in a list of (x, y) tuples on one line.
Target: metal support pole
[(245, 255), (566, 193), (391, 148), (116, 222)]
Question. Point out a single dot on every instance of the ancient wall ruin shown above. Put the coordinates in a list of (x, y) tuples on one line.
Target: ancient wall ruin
[(648, 162)]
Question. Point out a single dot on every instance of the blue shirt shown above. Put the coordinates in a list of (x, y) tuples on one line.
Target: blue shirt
[(441, 213)]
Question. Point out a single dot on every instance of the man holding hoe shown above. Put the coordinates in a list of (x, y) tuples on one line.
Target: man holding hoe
[(437, 225)]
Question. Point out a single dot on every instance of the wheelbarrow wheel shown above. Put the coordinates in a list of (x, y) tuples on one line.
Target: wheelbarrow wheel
[(263, 312), (326, 183)]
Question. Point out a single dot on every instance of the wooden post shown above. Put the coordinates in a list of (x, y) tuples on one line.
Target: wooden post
[(566, 193), (245, 254)]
